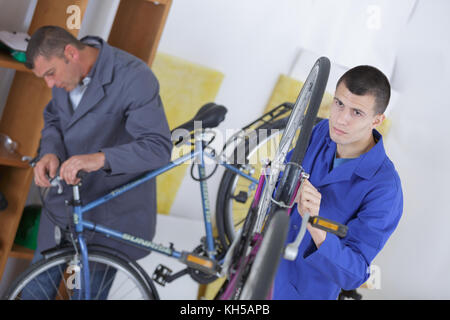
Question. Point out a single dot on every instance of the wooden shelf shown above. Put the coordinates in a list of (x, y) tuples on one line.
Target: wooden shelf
[(21, 252), (159, 1), (138, 26), (137, 29), (6, 61), (12, 159), (22, 121)]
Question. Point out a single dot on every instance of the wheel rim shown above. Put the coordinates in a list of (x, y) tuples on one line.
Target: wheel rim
[(238, 211), (113, 281)]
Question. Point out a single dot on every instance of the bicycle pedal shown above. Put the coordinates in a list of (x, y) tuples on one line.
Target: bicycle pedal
[(241, 197), (161, 274), (198, 262)]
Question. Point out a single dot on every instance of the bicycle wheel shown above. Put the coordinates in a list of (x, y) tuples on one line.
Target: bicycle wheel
[(305, 110), (235, 192), (57, 278)]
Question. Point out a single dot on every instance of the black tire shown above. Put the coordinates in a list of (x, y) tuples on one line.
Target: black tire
[(313, 109), (100, 261), (225, 216), (262, 274)]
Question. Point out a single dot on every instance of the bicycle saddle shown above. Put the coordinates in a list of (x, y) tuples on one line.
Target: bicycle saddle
[(211, 115)]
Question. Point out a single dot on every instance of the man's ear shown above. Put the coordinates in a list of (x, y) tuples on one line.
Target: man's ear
[(377, 120), (71, 52)]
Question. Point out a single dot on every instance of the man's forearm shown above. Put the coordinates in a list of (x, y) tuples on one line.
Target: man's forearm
[(317, 235)]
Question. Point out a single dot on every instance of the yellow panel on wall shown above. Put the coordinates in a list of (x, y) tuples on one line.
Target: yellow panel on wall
[(184, 88), (287, 89)]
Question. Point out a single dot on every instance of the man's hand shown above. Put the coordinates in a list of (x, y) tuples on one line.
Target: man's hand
[(47, 165), (86, 162), (308, 200)]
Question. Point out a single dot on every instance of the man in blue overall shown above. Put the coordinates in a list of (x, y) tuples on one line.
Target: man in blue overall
[(105, 117), (352, 181)]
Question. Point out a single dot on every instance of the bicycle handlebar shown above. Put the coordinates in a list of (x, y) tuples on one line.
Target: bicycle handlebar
[(56, 181)]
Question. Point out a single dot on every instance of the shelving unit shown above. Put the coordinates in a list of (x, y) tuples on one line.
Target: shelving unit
[(137, 29)]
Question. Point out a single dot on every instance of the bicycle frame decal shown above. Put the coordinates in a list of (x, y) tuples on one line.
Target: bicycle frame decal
[(147, 244)]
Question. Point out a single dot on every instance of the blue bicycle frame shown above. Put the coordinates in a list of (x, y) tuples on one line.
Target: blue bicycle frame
[(81, 224)]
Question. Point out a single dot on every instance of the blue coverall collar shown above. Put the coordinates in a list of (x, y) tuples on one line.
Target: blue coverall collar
[(364, 166)]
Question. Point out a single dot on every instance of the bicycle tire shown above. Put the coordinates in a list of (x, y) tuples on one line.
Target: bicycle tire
[(135, 275), (225, 214), (264, 267)]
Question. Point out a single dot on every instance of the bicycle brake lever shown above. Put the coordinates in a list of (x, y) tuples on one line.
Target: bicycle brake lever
[(56, 182)]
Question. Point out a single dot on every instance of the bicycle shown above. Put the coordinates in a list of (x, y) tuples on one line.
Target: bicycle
[(204, 264), (201, 262), (257, 248)]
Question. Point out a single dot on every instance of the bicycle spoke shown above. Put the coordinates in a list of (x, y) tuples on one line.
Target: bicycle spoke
[(128, 292), (53, 284), (108, 285), (31, 292), (101, 284), (40, 286), (119, 287), (239, 222)]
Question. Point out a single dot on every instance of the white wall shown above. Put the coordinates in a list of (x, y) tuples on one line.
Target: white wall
[(253, 41), (416, 261)]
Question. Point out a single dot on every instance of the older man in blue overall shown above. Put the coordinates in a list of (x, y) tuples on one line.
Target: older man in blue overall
[(106, 118), (352, 181)]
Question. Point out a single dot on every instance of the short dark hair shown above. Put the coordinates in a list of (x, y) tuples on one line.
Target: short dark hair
[(49, 41), (362, 80)]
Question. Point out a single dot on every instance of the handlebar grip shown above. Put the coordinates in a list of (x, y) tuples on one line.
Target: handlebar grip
[(82, 174), (329, 226)]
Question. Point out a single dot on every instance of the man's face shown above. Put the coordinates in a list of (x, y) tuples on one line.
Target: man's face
[(352, 117), (61, 72)]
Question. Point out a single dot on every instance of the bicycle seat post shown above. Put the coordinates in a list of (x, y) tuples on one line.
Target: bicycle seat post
[(199, 161)]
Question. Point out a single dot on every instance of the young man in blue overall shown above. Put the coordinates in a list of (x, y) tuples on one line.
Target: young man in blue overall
[(352, 181)]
